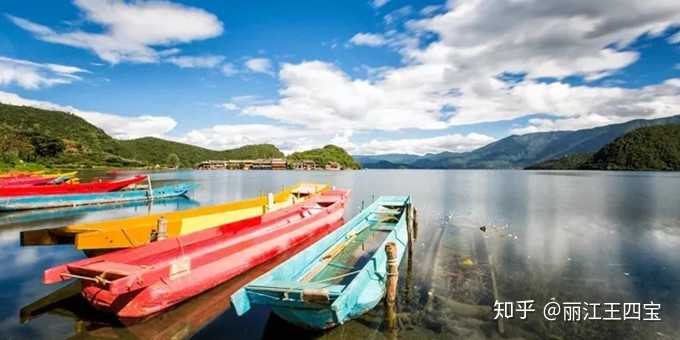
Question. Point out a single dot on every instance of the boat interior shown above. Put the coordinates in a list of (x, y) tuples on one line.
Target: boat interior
[(339, 264)]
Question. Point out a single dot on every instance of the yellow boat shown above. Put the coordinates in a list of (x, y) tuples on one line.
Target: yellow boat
[(21, 173), (136, 231), (41, 173)]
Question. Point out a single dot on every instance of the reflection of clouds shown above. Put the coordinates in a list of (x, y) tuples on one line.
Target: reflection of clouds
[(28, 257), (8, 238), (663, 241), (44, 327)]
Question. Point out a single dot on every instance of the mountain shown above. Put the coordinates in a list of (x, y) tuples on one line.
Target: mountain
[(519, 151), (568, 162), (63, 139), (369, 161), (325, 155), (645, 148), (648, 148), (386, 165)]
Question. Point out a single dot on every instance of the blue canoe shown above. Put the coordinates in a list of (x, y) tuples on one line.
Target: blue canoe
[(339, 277), (73, 200)]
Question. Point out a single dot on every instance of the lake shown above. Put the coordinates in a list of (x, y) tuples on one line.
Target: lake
[(561, 236)]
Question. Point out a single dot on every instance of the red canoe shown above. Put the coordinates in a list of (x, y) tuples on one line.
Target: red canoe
[(137, 282), (67, 188)]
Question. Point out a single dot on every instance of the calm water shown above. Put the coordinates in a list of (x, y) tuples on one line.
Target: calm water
[(571, 236)]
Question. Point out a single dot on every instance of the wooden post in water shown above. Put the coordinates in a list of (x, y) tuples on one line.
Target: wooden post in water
[(411, 229), (270, 201), (410, 223), (150, 189), (415, 224), (392, 274), (162, 229)]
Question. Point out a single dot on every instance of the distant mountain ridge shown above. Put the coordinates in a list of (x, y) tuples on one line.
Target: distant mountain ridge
[(387, 161), (519, 151)]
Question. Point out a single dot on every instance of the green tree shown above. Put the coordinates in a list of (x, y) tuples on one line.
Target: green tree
[(173, 161), (46, 146)]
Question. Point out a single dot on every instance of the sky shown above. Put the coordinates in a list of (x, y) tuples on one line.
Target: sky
[(372, 76)]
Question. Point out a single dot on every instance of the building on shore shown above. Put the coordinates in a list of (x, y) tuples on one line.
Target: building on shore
[(332, 165), (244, 164), (265, 164), (306, 164)]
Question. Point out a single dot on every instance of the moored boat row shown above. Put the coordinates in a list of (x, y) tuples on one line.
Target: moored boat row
[(70, 188), (148, 263), (26, 191), (140, 281), (70, 200)]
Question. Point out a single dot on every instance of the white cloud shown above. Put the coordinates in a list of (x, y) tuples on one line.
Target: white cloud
[(675, 38), (455, 80), (368, 39), (115, 125), (584, 107), (237, 103), (398, 14), (206, 61), (287, 139), (228, 69), (319, 95), (131, 31), (421, 146), (429, 10), (229, 106), (259, 65), (31, 75), (379, 3)]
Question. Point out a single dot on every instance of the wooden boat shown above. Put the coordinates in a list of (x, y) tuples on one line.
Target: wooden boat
[(66, 188), (339, 277), (73, 213), (135, 231), (140, 281), (180, 322), (21, 174), (36, 180), (73, 200)]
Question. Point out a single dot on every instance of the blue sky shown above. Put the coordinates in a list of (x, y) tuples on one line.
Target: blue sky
[(371, 76)]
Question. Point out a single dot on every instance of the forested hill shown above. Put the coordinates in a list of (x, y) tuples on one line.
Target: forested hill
[(650, 148), (647, 148), (59, 138), (326, 154)]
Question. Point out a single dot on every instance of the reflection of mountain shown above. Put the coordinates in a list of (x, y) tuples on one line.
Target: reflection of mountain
[(180, 322)]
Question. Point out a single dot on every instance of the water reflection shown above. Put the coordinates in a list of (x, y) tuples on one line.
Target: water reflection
[(581, 236)]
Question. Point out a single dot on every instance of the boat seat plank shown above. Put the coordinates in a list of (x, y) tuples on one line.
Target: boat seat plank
[(111, 268), (296, 286)]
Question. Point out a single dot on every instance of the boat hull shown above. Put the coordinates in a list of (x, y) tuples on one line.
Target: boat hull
[(74, 200), (201, 260)]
